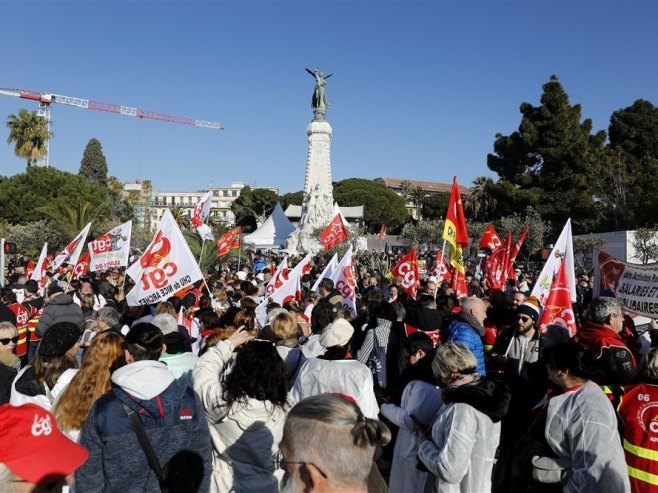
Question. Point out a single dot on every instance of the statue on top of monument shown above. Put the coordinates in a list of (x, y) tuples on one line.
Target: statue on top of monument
[(319, 101)]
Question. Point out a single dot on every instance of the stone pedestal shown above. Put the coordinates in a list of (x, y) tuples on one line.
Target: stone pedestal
[(317, 208)]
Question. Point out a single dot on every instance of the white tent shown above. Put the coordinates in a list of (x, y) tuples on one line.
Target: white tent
[(274, 231)]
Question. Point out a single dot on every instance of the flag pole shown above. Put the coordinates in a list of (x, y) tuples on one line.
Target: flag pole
[(239, 253), (203, 245), (123, 284)]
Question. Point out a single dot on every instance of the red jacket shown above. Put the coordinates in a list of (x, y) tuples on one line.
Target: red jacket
[(638, 410)]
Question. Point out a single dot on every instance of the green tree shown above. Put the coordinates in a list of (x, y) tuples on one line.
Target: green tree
[(71, 215), (23, 194), (479, 203), (253, 206), (181, 217), (294, 198), (547, 163), (29, 134), (93, 166), (29, 237), (538, 230), (424, 235), (381, 205), (434, 206), (645, 242)]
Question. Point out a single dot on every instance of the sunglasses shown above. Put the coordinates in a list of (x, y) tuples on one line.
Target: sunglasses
[(523, 318), (7, 340)]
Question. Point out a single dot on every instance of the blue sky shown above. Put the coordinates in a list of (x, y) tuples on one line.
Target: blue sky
[(420, 88)]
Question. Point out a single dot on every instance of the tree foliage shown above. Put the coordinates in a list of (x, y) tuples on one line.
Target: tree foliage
[(29, 237), (381, 205), (434, 206), (645, 242), (29, 134), (93, 166), (294, 198), (548, 161), (253, 207)]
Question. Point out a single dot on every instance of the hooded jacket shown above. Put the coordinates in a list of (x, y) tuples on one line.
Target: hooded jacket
[(27, 389), (245, 436), (61, 308), (171, 415), (465, 436), (466, 330), (615, 362)]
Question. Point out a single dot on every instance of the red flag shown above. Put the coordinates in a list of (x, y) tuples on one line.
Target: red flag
[(514, 253), (334, 234), (496, 268), (81, 269), (29, 268), (558, 309), (490, 239), (458, 283), (382, 232), (508, 250), (454, 230), (407, 269), (441, 270), (230, 239)]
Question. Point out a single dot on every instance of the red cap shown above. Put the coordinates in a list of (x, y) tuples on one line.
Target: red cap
[(32, 446)]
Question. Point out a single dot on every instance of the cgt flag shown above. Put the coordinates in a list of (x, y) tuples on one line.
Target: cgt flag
[(407, 269), (111, 249), (39, 273), (327, 272), (514, 253), (454, 231), (382, 232), (166, 266), (230, 239), (291, 289), (490, 239), (72, 252), (558, 309), (334, 234), (81, 269), (344, 278), (280, 276), (441, 268)]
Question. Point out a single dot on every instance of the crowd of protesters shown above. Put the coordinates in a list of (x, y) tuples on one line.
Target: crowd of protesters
[(431, 393)]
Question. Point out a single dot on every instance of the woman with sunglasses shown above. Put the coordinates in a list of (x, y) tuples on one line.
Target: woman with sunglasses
[(242, 384), (9, 362)]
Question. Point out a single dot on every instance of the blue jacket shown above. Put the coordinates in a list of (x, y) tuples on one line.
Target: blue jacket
[(174, 421), (458, 330)]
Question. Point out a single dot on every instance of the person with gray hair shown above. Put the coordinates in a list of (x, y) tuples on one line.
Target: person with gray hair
[(461, 448), (601, 335), (467, 327), (328, 445)]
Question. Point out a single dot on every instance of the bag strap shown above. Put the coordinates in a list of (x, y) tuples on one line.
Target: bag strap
[(145, 443)]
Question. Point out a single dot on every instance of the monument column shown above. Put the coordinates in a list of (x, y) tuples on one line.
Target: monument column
[(317, 207)]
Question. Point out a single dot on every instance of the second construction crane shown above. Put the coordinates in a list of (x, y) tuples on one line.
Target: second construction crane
[(46, 99)]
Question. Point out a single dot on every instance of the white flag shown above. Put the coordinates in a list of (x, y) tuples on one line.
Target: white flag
[(166, 266), (111, 249), (200, 214), (39, 273), (328, 270), (72, 252), (280, 276), (563, 248), (303, 267), (289, 290), (345, 281)]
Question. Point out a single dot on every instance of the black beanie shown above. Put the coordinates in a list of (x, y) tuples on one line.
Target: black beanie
[(59, 338)]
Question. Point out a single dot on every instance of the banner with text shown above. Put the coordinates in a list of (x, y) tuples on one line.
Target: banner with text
[(111, 249), (635, 285)]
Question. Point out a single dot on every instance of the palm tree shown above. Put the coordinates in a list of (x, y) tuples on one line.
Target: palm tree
[(71, 218), (29, 132), (479, 203), (181, 217)]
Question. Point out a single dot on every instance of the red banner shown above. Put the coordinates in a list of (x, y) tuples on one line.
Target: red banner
[(230, 239), (407, 269), (558, 309), (490, 239), (334, 234)]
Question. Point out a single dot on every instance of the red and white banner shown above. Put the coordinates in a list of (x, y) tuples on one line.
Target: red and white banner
[(291, 289), (382, 232), (458, 283), (335, 233), (407, 269), (328, 270), (496, 269), (441, 269), (344, 278), (39, 273), (71, 253), (515, 253), (558, 309), (166, 266), (199, 216), (111, 249), (635, 285), (490, 239), (278, 278), (303, 266), (81, 269), (563, 248)]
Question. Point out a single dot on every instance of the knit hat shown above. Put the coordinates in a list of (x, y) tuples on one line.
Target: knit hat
[(32, 446), (54, 288), (59, 338), (338, 333), (530, 307)]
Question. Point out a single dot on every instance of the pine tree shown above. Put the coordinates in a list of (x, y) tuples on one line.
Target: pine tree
[(93, 166)]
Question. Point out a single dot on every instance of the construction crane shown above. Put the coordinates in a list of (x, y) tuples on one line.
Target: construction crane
[(46, 99)]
